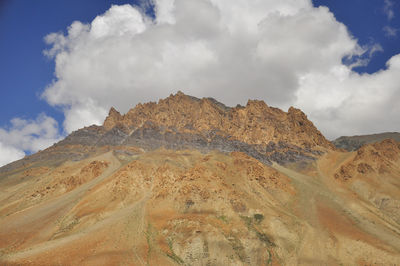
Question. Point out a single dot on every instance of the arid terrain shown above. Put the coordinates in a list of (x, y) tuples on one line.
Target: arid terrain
[(355, 142), (191, 181)]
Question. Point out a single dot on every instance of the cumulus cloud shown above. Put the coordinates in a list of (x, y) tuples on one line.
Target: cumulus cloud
[(9, 154), (344, 102), (285, 52), (27, 136)]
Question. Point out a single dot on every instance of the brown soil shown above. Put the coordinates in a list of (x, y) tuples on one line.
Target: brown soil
[(184, 207)]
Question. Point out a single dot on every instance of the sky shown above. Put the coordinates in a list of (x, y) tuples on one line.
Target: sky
[(63, 64)]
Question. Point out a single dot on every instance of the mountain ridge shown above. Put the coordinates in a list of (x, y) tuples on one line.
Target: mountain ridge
[(351, 143), (296, 138), (181, 121), (188, 113)]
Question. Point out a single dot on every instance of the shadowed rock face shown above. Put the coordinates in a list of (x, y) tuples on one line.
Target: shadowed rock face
[(185, 122), (152, 137)]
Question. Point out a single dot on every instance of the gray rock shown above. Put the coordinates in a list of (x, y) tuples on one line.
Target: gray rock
[(151, 137)]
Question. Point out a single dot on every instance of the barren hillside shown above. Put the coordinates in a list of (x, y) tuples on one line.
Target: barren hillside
[(191, 181)]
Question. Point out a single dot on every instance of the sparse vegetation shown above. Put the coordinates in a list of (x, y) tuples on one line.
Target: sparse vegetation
[(170, 242), (223, 218), (71, 225), (175, 258), (189, 203), (238, 248), (249, 221), (264, 238), (258, 217), (66, 227), (172, 254), (269, 261), (149, 240)]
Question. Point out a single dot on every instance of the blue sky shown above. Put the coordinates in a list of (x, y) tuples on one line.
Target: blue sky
[(367, 20), (45, 107), (24, 70)]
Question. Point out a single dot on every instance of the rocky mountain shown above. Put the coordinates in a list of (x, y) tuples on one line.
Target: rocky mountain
[(355, 142), (191, 181), (181, 121)]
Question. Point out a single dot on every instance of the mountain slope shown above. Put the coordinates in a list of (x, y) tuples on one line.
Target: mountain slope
[(172, 183), (355, 142)]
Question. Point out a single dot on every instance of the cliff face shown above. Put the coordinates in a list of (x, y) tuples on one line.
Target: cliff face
[(256, 123), (185, 122)]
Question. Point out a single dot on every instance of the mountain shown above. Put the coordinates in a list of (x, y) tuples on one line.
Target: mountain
[(192, 181), (355, 142), (181, 121)]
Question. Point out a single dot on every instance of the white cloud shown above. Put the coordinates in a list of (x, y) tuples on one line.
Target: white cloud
[(285, 52), (374, 48), (9, 154), (388, 9), (344, 102), (27, 136), (390, 31)]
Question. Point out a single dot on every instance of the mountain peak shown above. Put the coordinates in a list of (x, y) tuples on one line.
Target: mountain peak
[(113, 117), (257, 103), (180, 93), (255, 124)]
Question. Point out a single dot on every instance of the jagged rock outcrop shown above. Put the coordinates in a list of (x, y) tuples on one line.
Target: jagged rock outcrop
[(256, 123), (112, 119), (181, 121)]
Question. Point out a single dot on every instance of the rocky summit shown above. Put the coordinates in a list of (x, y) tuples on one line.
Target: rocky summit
[(191, 181), (185, 122)]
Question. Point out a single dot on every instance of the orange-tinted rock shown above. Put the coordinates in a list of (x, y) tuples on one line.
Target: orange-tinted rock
[(112, 119), (257, 123), (377, 157)]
